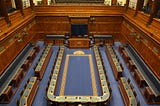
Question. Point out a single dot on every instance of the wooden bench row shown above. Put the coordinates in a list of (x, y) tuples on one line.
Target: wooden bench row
[(25, 66), (114, 62), (129, 62), (30, 58), (18, 77), (54, 75), (43, 62), (146, 90), (132, 67), (106, 89), (127, 93), (29, 92)]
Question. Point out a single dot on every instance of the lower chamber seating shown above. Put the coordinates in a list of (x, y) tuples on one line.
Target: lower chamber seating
[(44, 60), (67, 100), (115, 65), (147, 82), (29, 92), (11, 79), (127, 92)]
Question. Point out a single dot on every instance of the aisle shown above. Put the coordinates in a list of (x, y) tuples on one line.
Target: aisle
[(115, 95)]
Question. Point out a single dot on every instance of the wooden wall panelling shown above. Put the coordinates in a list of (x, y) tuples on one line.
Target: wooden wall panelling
[(15, 17), (79, 20), (17, 22), (7, 53), (14, 43), (130, 12), (155, 24), (144, 46), (27, 11), (3, 25), (154, 52), (140, 21), (53, 25), (142, 17), (83, 10), (105, 25)]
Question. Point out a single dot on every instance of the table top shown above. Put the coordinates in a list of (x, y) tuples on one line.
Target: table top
[(76, 98)]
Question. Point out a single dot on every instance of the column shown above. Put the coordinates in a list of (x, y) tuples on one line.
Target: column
[(19, 6), (154, 11), (139, 6), (4, 12)]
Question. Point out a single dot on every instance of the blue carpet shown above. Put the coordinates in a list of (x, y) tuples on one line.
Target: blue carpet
[(78, 81), (40, 99), (127, 74), (115, 95), (27, 76), (81, 65)]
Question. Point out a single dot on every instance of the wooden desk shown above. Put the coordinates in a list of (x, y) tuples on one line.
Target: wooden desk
[(116, 67), (139, 79), (79, 43), (18, 77), (127, 93), (131, 65), (125, 56)]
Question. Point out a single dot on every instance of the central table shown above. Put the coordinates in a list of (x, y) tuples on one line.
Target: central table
[(78, 81)]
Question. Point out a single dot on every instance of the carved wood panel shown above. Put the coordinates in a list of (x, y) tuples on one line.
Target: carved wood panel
[(12, 45), (147, 48)]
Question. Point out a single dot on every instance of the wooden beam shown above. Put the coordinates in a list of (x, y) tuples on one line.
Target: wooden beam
[(4, 12)]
